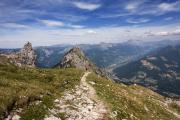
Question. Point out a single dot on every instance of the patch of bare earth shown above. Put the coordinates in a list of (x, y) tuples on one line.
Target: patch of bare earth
[(80, 103)]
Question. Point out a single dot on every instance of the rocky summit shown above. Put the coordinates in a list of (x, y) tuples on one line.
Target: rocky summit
[(75, 58), (25, 57)]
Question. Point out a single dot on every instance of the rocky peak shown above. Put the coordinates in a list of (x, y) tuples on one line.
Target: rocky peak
[(75, 58), (25, 57), (75, 49), (27, 47)]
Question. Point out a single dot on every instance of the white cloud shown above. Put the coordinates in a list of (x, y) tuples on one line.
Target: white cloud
[(14, 25), (143, 8), (91, 32), (175, 32), (52, 23), (75, 26), (40, 37), (133, 6), (137, 21), (162, 33), (114, 15), (87, 6), (169, 18), (167, 7), (161, 8)]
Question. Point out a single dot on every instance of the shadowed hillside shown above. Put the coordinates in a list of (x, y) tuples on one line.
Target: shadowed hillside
[(159, 71)]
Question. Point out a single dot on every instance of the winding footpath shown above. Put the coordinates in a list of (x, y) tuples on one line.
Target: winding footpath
[(80, 103)]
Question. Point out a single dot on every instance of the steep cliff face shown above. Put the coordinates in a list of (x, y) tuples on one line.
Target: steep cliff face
[(75, 58), (25, 57)]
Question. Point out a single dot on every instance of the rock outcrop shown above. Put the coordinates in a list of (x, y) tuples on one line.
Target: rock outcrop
[(24, 58), (75, 58)]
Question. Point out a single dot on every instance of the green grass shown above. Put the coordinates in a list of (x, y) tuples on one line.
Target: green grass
[(21, 86), (130, 102), (62, 116), (38, 111)]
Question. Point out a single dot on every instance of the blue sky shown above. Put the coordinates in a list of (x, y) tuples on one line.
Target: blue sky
[(48, 22)]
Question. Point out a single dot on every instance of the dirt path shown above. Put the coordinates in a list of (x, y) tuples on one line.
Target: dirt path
[(80, 103)]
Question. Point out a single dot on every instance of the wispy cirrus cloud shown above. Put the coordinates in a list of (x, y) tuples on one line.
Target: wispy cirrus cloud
[(144, 7), (137, 21), (52, 23), (167, 7), (75, 26), (168, 18), (87, 6), (133, 6), (165, 33), (157, 9), (14, 26)]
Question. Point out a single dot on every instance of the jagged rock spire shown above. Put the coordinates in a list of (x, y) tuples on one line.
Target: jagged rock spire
[(27, 46), (25, 57)]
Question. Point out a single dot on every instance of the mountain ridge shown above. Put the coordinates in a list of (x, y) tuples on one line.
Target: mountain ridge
[(75, 58), (158, 70)]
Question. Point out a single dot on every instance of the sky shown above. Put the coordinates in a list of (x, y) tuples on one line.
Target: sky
[(50, 22)]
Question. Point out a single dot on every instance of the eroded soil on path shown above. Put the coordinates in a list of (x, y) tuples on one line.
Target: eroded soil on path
[(80, 103)]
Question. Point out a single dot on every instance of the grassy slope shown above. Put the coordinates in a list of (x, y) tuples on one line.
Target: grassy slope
[(19, 87), (131, 102)]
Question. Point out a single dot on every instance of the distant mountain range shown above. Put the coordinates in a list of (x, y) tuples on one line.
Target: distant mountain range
[(104, 55), (158, 70)]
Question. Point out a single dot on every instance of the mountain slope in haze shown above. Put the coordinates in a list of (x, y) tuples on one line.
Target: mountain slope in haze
[(159, 70), (49, 56), (112, 55), (104, 55), (75, 58)]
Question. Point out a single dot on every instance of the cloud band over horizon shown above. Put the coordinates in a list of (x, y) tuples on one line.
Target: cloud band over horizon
[(47, 22)]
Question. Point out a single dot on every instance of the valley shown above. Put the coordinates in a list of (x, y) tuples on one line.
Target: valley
[(158, 70)]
